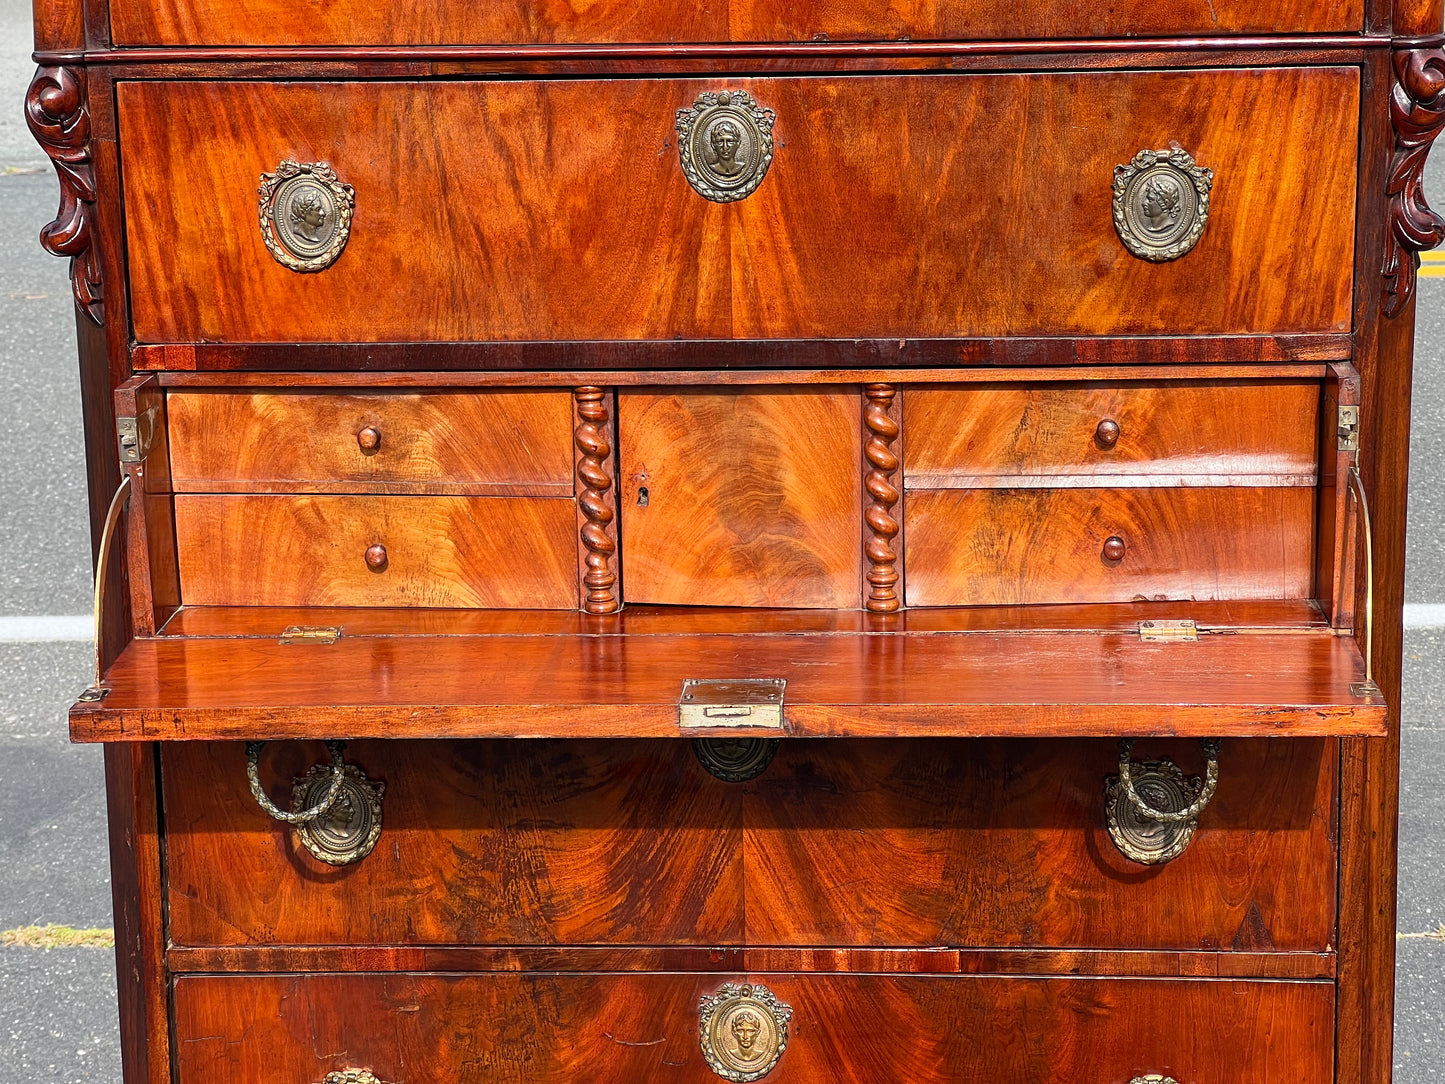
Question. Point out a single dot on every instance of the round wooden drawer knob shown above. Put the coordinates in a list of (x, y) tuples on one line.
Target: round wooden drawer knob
[(1114, 548), (369, 439), (1106, 435), (376, 557)]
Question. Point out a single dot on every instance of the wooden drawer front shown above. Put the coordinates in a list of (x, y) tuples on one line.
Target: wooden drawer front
[(394, 22), (505, 842), (551, 1029), (547, 206), (439, 551), (1160, 434), (751, 499), (862, 843), (478, 442), (1014, 547)]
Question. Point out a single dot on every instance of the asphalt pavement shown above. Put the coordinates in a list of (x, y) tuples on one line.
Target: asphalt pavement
[(57, 1006)]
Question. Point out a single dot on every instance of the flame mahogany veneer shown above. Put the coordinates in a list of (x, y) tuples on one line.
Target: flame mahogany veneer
[(908, 426)]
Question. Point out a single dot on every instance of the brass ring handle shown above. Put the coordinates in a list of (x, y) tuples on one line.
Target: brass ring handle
[(337, 749), (1366, 688), (1189, 813), (98, 691)]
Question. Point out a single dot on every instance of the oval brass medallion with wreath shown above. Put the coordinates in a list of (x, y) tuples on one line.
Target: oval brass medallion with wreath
[(1161, 203), (305, 214), (726, 144)]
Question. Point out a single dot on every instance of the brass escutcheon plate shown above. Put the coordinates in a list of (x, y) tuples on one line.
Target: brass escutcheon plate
[(348, 831), (726, 144), (743, 1030), (1164, 786), (305, 214), (1161, 203)]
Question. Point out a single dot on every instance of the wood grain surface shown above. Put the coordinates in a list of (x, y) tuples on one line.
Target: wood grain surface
[(962, 437), (1013, 547), (439, 551), (981, 234), (751, 499), (972, 844), (435, 1029), (861, 684), (532, 843), (392, 22), (478, 441)]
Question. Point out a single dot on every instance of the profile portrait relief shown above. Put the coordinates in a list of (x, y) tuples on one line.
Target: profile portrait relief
[(308, 216), (1160, 203)]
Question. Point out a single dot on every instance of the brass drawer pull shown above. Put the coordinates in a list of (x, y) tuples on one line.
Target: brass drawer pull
[(337, 749), (335, 808), (726, 144), (1161, 203), (743, 1030), (369, 440), (1106, 433), (1114, 549), (1142, 830), (376, 557)]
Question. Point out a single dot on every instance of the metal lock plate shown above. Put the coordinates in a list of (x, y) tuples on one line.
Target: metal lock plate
[(729, 702)]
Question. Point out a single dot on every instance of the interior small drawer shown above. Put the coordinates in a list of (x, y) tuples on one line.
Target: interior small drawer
[(480, 442), (1027, 546), (562, 1028), (1168, 432), (329, 550)]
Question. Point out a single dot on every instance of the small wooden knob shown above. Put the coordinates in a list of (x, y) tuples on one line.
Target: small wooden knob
[(1106, 435), (1113, 548), (376, 557), (369, 439)]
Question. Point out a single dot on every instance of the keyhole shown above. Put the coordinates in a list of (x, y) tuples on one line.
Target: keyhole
[(642, 495)]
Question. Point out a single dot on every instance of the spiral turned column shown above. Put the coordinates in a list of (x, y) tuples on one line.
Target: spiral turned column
[(881, 495), (596, 500)]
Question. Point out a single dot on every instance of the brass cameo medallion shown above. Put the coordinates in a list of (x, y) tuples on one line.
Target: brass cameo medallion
[(1161, 203), (726, 144), (305, 214), (743, 1030), (1165, 788), (350, 827)]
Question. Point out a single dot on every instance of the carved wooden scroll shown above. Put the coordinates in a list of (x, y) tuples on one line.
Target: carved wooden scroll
[(880, 497), (56, 111), (596, 500), (1417, 111)]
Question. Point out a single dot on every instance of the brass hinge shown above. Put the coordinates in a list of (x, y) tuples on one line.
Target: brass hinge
[(310, 634), (1349, 428), (740, 702), (1168, 632), (135, 435)]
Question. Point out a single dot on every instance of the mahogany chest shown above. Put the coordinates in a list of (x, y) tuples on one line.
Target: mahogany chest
[(748, 540)]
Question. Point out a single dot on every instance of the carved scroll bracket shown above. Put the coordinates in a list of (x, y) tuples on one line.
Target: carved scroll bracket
[(55, 109), (596, 500), (1417, 113), (881, 495)]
